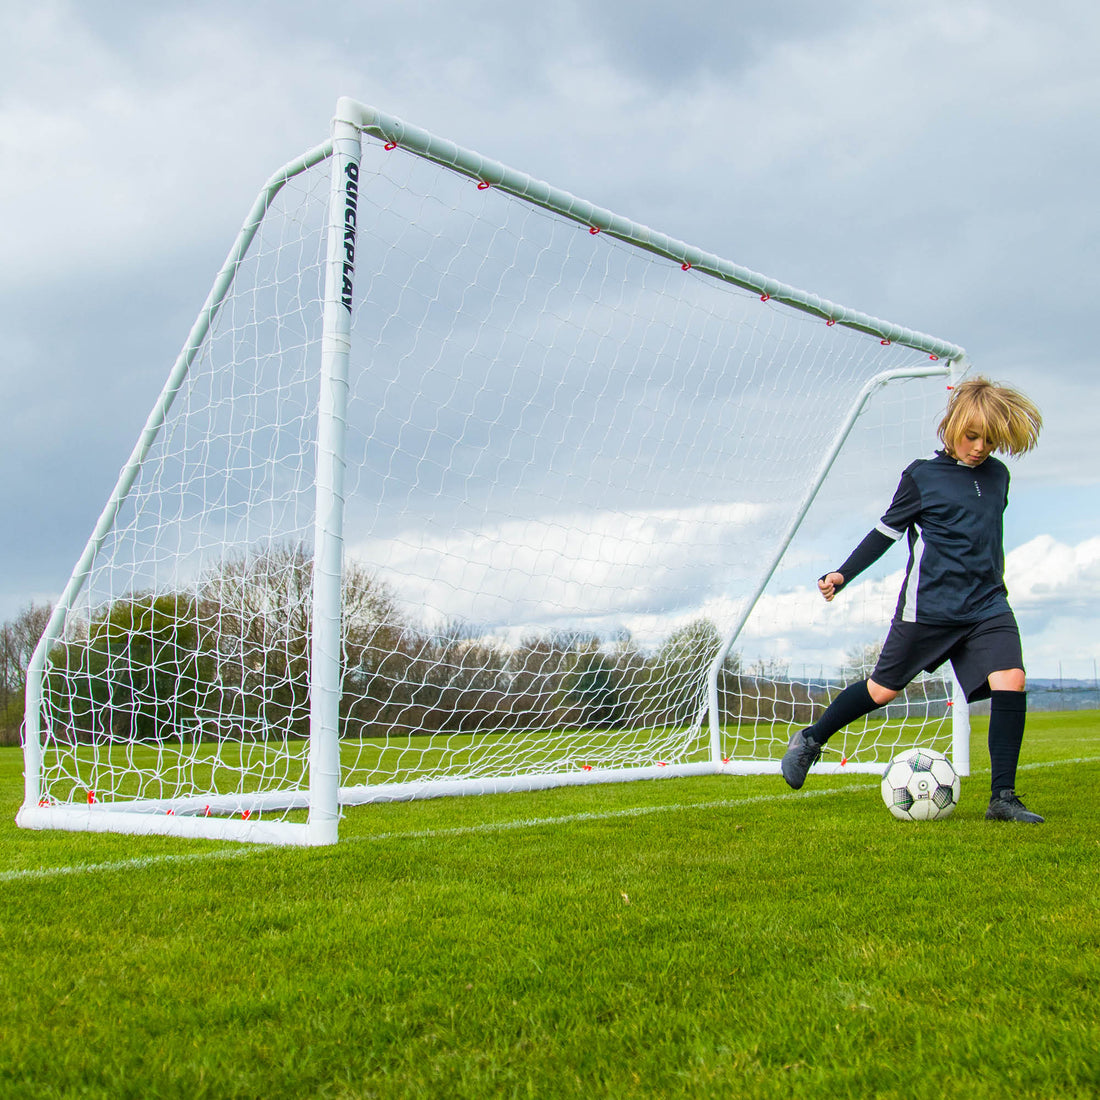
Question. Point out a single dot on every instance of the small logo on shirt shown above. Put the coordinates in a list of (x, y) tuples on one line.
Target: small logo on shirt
[(977, 487)]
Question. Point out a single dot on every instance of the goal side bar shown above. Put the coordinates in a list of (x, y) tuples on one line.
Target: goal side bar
[(326, 643), (390, 129), (219, 292), (960, 715)]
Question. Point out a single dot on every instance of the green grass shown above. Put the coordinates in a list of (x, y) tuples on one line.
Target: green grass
[(713, 937)]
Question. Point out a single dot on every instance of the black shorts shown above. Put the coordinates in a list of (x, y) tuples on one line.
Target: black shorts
[(974, 650)]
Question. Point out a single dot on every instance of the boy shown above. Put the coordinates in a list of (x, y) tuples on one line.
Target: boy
[(953, 603)]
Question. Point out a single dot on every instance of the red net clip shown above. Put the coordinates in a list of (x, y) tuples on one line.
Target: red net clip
[(593, 229), (885, 343), (206, 812), (390, 145), (765, 297), (662, 763), (245, 814), (950, 702), (587, 767), (934, 358), (91, 797), (170, 813), (831, 321), (725, 759), (685, 266), (483, 185)]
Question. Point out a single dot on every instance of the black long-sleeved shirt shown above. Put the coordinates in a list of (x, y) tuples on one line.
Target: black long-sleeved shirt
[(952, 514)]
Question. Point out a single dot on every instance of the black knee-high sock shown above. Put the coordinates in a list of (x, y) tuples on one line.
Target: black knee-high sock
[(1007, 714), (853, 702)]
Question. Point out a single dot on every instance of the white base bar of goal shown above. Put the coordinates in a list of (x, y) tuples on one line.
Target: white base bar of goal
[(512, 784), (145, 822), (449, 788), (188, 818)]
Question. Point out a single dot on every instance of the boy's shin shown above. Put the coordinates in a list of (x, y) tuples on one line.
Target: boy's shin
[(853, 702), (1007, 715)]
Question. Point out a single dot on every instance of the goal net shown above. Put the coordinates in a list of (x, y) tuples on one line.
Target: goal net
[(463, 484)]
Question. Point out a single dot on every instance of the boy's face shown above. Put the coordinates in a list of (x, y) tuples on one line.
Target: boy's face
[(971, 447)]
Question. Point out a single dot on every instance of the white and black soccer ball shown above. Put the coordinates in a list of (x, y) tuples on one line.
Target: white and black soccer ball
[(920, 785)]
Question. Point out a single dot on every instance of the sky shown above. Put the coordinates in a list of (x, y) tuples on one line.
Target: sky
[(931, 163)]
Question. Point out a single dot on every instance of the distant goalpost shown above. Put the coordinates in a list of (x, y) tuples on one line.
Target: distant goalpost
[(463, 484)]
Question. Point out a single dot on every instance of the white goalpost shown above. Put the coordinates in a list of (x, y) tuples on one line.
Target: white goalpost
[(462, 484)]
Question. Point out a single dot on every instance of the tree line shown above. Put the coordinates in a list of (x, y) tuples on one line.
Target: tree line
[(18, 639), (230, 658)]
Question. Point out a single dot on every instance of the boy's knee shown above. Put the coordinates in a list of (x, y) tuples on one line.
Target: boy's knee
[(879, 694), (1012, 679)]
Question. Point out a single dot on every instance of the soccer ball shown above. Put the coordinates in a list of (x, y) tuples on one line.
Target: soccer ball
[(920, 785)]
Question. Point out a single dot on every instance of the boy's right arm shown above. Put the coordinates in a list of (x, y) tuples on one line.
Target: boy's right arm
[(873, 546)]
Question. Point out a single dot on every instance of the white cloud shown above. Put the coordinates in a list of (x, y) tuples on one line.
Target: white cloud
[(1047, 576), (653, 573), (1054, 589), (596, 570), (132, 148)]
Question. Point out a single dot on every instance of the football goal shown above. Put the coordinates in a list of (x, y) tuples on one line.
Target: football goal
[(463, 484)]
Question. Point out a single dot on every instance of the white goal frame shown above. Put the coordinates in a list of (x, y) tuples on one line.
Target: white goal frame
[(326, 794)]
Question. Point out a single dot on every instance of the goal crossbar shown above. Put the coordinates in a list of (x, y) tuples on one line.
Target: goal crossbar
[(490, 172)]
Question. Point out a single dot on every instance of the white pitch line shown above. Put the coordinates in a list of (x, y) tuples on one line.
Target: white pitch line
[(137, 864), (143, 862), (1057, 763), (604, 815)]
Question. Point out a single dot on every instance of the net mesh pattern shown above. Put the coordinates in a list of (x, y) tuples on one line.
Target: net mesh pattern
[(568, 462)]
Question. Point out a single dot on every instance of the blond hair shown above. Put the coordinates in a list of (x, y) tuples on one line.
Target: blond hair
[(1003, 416)]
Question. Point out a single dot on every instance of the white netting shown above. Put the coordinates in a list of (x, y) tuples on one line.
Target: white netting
[(182, 672), (568, 461)]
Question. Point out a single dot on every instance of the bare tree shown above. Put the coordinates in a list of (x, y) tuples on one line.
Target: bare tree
[(257, 609), (860, 660), (18, 639)]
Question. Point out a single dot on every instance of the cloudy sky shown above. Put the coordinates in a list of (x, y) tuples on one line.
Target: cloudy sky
[(932, 163)]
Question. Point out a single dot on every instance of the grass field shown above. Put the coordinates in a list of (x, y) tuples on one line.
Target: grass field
[(712, 937)]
